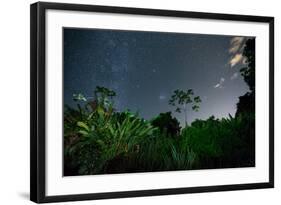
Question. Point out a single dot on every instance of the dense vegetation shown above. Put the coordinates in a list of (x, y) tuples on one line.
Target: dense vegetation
[(98, 139)]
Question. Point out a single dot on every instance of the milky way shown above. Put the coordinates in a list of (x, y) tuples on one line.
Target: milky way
[(144, 68)]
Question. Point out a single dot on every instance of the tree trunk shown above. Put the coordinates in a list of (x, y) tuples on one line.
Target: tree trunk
[(185, 117)]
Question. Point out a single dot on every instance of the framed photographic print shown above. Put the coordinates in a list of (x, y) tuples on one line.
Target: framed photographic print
[(129, 102)]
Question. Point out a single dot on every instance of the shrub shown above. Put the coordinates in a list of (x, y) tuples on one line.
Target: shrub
[(228, 142), (99, 140), (167, 124)]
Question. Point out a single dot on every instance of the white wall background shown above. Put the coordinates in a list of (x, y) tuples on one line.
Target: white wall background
[(14, 100)]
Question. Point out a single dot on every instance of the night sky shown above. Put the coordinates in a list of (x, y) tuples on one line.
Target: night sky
[(144, 68)]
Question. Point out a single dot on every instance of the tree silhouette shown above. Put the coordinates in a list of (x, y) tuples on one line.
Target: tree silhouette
[(167, 124), (248, 72), (247, 102), (180, 99)]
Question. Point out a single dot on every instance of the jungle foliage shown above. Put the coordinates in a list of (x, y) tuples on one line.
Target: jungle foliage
[(98, 139)]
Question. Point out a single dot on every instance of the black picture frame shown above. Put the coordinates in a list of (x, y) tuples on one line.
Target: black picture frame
[(38, 101)]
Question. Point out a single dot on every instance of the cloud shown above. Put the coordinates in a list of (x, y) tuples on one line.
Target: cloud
[(220, 84), (236, 45), (217, 85), (236, 49), (238, 58), (234, 76)]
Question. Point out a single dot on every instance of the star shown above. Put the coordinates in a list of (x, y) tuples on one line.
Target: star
[(162, 97)]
